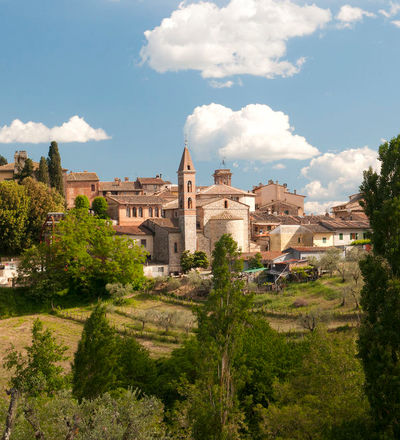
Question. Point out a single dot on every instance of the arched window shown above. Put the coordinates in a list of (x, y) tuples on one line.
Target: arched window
[(128, 211), (140, 212), (156, 212), (176, 247), (188, 167), (190, 204), (189, 186), (180, 203), (150, 211), (134, 211), (226, 203)]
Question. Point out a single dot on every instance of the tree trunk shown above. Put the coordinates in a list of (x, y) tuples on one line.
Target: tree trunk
[(12, 411), (30, 417)]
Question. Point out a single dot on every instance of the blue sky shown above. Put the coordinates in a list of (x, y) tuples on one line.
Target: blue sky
[(282, 90)]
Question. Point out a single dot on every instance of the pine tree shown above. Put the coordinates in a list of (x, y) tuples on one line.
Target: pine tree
[(95, 366), (26, 171), (379, 338), (55, 170), (42, 173), (3, 160)]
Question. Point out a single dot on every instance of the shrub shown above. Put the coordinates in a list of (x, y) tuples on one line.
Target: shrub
[(173, 284)]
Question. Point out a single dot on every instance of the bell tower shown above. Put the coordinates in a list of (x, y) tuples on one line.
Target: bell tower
[(187, 201)]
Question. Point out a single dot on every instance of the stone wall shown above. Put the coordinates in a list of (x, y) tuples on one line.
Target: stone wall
[(76, 188)]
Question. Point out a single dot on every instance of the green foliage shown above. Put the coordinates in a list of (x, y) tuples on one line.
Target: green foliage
[(82, 202), (193, 260), (26, 171), (99, 207), (118, 292), (323, 397), (55, 169), (38, 372), (173, 284), (329, 260), (3, 160), (256, 261), (360, 242), (42, 174), (14, 218), (122, 416), (84, 256), (379, 340), (95, 366), (186, 261)]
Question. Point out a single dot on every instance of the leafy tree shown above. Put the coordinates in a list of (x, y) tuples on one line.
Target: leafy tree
[(256, 261), (55, 169), (329, 260), (95, 366), (42, 174), (100, 207), (200, 259), (186, 261), (14, 218), (82, 202), (213, 408), (379, 337), (84, 256), (3, 160), (26, 171)]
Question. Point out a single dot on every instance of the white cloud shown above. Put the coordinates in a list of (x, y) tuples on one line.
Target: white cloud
[(396, 23), (255, 132), (220, 85), (394, 9), (279, 166), (334, 175), (75, 130), (320, 207), (244, 37), (348, 15)]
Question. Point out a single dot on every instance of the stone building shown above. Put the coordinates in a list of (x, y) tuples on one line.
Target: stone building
[(352, 210), (10, 170), (276, 198), (84, 183)]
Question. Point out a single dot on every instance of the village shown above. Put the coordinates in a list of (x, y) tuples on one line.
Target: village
[(167, 219)]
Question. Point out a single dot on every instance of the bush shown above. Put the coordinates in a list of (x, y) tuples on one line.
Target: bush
[(118, 291), (194, 279), (173, 284)]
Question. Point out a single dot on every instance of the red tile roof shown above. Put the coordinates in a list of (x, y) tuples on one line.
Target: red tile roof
[(82, 177)]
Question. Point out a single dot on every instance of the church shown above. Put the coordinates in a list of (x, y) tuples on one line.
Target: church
[(198, 217)]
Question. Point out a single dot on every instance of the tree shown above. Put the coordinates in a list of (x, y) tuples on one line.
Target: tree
[(42, 174), (55, 169), (100, 207), (186, 261), (213, 407), (200, 259), (14, 218), (379, 336), (95, 366), (82, 202), (193, 260), (3, 160), (256, 261), (329, 260), (26, 171), (84, 256)]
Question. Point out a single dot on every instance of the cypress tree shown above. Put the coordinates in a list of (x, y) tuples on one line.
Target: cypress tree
[(3, 160), (42, 173), (379, 338), (55, 170), (27, 170)]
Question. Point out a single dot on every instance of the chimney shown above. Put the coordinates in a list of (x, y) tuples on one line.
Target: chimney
[(294, 192), (126, 179), (160, 176), (270, 182), (284, 185)]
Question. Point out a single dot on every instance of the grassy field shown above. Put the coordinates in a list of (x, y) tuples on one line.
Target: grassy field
[(161, 322)]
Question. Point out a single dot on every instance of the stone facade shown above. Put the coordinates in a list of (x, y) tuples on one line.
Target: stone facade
[(84, 183), (285, 236)]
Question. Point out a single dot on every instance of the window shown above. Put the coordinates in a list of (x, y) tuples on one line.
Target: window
[(150, 211), (226, 204), (143, 242), (180, 203), (340, 236), (190, 204), (176, 248), (128, 211), (365, 235), (188, 167), (134, 212), (189, 186), (353, 236), (140, 212), (160, 269), (323, 239), (299, 240), (162, 213), (287, 212), (93, 188), (156, 212)]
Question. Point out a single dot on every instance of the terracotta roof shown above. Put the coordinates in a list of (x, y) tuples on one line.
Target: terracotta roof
[(225, 216), (186, 161), (317, 228), (151, 181), (10, 166), (263, 217), (223, 189), (173, 204), (137, 200), (118, 186), (334, 224), (170, 224), (81, 177), (131, 230), (311, 248), (266, 256)]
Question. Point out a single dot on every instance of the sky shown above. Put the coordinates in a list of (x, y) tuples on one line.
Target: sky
[(298, 92)]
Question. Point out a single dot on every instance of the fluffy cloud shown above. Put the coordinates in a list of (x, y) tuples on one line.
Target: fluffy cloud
[(320, 207), (244, 37), (348, 15), (256, 132), (396, 23), (220, 85), (394, 9), (279, 166), (334, 174), (75, 130)]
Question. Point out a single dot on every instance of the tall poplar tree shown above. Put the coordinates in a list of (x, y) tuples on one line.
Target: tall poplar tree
[(379, 339), (55, 169), (42, 173)]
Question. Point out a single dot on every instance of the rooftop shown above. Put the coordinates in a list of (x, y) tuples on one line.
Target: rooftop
[(82, 177), (137, 199)]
